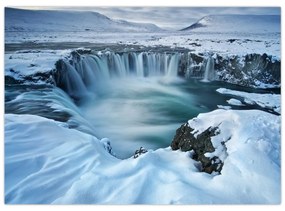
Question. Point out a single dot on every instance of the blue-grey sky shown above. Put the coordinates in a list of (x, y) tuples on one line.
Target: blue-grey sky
[(170, 17)]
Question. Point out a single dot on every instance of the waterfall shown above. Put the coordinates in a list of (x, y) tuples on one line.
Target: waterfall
[(209, 70), (91, 72), (94, 72), (173, 66), (70, 80)]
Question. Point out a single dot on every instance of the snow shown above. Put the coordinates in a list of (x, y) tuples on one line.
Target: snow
[(237, 24), (68, 21), (235, 102), (271, 101), (224, 107), (68, 166), (258, 34), (28, 62), (215, 42)]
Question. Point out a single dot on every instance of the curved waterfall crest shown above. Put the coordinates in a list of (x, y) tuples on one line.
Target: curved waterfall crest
[(90, 71)]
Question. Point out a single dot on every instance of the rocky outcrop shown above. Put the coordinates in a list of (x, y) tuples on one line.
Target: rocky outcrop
[(250, 70), (186, 140)]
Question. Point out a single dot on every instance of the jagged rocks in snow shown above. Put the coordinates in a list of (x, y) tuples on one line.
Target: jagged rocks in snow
[(186, 140), (252, 70)]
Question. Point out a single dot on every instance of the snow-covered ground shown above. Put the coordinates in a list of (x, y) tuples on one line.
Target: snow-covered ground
[(20, 20), (28, 62), (198, 42), (252, 34), (68, 166)]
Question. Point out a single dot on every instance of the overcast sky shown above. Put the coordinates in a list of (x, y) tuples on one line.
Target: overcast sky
[(170, 17)]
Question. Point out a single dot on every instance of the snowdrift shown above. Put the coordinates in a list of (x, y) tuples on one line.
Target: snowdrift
[(71, 167)]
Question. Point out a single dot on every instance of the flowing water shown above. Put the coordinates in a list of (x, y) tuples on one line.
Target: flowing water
[(134, 99), (145, 112)]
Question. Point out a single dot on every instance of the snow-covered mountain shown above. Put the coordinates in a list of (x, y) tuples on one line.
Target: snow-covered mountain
[(64, 21), (237, 23)]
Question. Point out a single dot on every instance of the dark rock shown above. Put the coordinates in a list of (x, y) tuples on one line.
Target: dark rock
[(232, 40), (10, 80), (195, 44), (249, 69), (139, 152), (185, 140), (40, 76)]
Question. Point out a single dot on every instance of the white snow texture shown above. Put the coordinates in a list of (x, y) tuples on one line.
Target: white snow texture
[(67, 166)]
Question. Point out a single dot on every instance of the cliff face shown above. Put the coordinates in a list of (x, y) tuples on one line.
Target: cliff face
[(251, 70)]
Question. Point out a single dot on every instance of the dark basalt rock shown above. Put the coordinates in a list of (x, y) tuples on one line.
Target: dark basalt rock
[(248, 69), (185, 140)]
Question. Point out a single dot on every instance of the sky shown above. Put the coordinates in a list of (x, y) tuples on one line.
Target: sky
[(169, 17)]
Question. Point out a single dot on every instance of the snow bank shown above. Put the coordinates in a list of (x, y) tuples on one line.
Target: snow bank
[(67, 166), (43, 158), (271, 101)]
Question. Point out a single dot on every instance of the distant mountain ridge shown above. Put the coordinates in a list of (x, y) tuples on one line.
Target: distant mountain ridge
[(63, 20), (237, 23)]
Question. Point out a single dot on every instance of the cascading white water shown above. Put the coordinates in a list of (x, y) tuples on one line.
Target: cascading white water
[(173, 66), (137, 96), (93, 71), (209, 70)]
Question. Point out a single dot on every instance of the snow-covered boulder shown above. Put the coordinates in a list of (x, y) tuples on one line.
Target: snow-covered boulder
[(201, 144)]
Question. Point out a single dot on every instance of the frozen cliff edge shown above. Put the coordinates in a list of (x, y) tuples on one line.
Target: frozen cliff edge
[(38, 66)]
